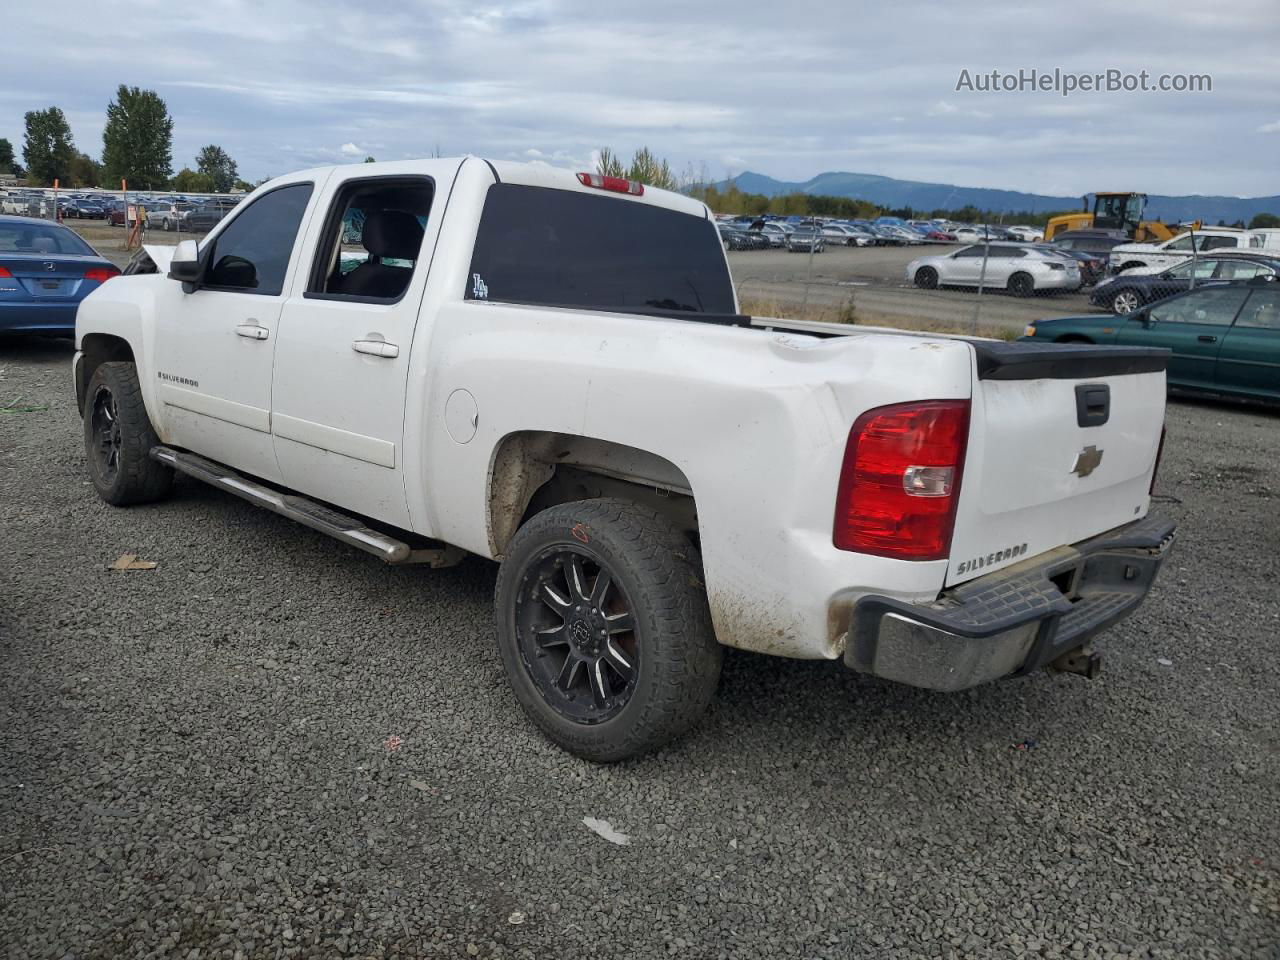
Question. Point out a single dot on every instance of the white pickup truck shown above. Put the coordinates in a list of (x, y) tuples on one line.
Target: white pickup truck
[(434, 358)]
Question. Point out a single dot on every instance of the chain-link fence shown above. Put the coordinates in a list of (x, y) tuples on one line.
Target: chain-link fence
[(162, 216), (985, 279)]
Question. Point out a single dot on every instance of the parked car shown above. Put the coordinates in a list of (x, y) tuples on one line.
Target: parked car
[(1225, 337), (46, 270), (1027, 234), (776, 232), (805, 238), (169, 216), (204, 217), (80, 209), (1021, 269), (734, 238), (587, 376), (1089, 241), (1127, 256), (838, 233), (1093, 266), (1126, 292)]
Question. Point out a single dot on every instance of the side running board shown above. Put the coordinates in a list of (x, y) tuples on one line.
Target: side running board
[(307, 512)]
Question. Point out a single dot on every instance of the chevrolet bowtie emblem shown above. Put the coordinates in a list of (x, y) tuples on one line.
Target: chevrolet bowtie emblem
[(1087, 461)]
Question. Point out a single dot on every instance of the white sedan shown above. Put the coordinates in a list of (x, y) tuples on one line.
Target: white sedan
[(1018, 268)]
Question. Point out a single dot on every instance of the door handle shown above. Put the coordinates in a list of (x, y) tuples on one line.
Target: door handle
[(252, 331), (1207, 338), (376, 348)]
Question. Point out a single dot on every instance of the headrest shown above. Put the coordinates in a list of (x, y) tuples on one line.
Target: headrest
[(45, 245), (392, 233)]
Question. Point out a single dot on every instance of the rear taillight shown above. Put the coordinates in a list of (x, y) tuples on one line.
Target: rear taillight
[(101, 274), (1155, 469), (616, 184), (901, 480), (4, 272)]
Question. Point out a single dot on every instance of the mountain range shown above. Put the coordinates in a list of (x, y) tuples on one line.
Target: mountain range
[(894, 194)]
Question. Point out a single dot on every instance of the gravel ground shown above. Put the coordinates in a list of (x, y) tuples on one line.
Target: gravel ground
[(195, 760)]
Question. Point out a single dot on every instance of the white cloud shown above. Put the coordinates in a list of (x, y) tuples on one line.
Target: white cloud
[(556, 77)]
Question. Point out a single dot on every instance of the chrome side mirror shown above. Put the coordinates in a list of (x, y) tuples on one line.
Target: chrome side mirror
[(185, 265)]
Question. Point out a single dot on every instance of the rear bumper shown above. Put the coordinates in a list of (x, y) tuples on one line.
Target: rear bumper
[(36, 317), (1013, 621)]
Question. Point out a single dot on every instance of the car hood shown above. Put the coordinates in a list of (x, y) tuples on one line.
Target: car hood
[(161, 255)]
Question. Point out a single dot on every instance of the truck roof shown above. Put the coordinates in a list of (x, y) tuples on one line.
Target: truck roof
[(528, 174)]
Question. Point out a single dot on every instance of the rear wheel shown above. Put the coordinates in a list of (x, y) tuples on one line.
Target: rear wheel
[(1125, 301), (1022, 285), (118, 438), (927, 278), (604, 629)]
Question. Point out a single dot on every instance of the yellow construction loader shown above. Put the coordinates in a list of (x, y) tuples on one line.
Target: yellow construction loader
[(1118, 212)]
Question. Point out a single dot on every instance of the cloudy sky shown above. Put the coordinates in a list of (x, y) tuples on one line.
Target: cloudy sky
[(788, 89)]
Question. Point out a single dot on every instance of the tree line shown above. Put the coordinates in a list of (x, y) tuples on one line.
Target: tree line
[(649, 169), (137, 146)]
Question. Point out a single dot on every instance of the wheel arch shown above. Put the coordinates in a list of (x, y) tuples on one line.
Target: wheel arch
[(97, 349), (531, 470)]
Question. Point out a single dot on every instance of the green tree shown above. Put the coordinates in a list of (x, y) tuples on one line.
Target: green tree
[(8, 164), (47, 148), (1260, 221), (370, 160), (608, 164), (218, 166), (85, 171), (645, 167), (189, 181), (137, 142)]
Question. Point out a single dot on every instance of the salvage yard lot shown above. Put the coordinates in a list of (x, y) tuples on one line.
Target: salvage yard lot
[(198, 756)]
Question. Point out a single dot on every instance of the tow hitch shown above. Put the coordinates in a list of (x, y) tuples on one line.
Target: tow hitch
[(1082, 660)]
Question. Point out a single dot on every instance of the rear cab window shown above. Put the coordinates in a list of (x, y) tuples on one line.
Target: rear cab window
[(560, 248)]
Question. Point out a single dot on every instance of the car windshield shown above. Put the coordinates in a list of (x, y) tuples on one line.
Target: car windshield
[(41, 238)]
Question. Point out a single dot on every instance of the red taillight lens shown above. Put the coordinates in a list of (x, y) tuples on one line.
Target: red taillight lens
[(101, 274), (901, 480), (616, 184), (4, 272)]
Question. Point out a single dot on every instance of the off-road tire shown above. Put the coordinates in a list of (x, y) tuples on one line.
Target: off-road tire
[(677, 656), (136, 478)]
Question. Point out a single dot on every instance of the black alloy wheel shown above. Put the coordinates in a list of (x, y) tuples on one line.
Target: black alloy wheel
[(107, 438), (577, 634)]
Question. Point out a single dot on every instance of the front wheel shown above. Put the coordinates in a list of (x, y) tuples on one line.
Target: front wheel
[(604, 629), (118, 438), (927, 278), (1021, 285), (1125, 301)]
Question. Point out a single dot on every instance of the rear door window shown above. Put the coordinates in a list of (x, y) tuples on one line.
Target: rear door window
[(561, 248)]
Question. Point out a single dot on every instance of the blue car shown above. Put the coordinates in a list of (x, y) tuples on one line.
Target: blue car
[(45, 271)]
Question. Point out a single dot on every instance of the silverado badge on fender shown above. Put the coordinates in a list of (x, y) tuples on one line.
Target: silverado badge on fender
[(1087, 461)]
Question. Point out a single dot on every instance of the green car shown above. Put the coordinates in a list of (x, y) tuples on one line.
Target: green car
[(1225, 338)]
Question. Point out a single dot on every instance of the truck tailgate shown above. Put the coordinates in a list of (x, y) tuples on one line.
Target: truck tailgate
[(1062, 444)]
